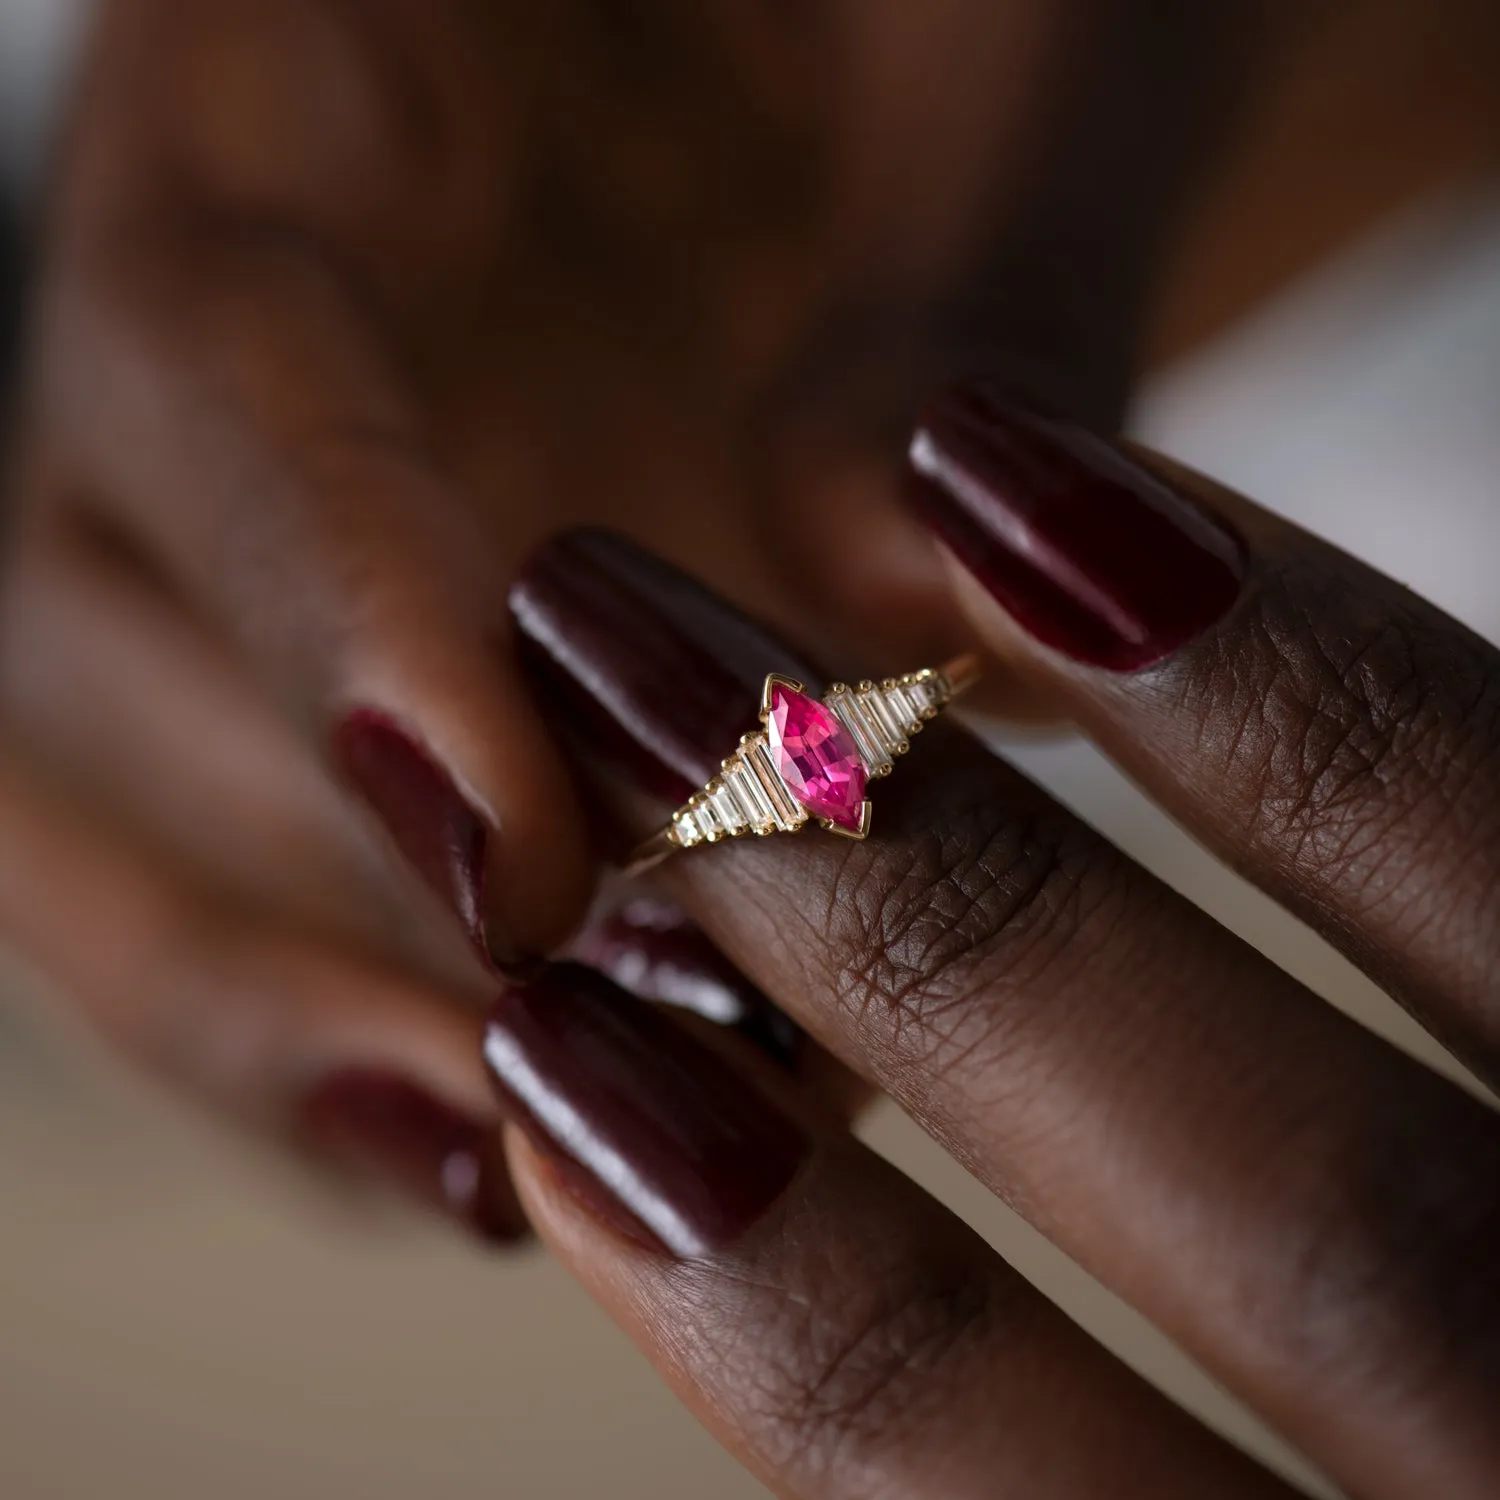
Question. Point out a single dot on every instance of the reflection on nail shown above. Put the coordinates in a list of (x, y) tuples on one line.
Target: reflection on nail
[(656, 1133), (649, 946)]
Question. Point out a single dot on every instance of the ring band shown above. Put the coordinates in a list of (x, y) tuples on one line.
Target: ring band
[(810, 761)]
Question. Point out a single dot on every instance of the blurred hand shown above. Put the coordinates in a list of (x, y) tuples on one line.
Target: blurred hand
[(346, 307)]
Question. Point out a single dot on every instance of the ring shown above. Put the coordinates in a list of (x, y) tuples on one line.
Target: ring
[(810, 760)]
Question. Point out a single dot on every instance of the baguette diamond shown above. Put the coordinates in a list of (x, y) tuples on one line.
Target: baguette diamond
[(847, 707), (749, 791), (727, 809), (874, 704)]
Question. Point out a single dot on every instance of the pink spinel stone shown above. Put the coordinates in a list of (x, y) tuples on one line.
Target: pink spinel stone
[(816, 758)]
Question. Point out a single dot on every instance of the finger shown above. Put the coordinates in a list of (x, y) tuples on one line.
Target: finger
[(299, 1040), (1330, 734), (224, 402), (211, 775), (648, 945), (84, 642), (840, 1331), (1312, 1214)]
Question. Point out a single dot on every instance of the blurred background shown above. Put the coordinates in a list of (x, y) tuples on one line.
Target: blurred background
[(176, 1321)]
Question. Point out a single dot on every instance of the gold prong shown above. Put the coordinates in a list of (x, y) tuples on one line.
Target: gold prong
[(773, 681), (863, 831)]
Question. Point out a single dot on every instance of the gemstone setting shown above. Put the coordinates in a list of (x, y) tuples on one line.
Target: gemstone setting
[(815, 757)]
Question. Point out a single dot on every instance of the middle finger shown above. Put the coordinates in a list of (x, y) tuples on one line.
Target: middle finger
[(1310, 1213)]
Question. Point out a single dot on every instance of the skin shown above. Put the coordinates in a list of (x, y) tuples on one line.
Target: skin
[(345, 307), (293, 421), (1307, 1211)]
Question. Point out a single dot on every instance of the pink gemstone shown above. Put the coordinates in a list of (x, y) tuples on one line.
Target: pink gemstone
[(816, 758)]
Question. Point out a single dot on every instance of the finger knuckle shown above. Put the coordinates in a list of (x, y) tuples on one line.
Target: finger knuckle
[(851, 1379), (1348, 721), (931, 931)]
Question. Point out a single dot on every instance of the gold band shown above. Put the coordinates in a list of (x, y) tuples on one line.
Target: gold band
[(750, 795)]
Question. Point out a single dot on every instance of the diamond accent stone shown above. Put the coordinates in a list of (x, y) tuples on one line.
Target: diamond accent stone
[(879, 714), (748, 789), (902, 706), (728, 809), (847, 707), (787, 813)]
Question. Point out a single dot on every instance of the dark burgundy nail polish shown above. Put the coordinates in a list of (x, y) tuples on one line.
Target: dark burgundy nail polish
[(386, 1126), (655, 1132), (1087, 550), (650, 947), (653, 673), (432, 824)]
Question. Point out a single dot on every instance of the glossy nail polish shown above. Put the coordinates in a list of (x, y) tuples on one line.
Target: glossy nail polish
[(434, 827), (660, 1137), (653, 674), (1087, 550), (650, 947), (383, 1125)]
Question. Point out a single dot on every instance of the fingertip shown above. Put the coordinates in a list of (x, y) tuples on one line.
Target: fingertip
[(457, 768)]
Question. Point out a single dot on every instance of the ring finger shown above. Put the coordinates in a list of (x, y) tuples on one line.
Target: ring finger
[(1311, 1214)]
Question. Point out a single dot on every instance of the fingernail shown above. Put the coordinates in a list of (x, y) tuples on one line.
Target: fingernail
[(657, 1135), (654, 674), (432, 824), (651, 948), (1085, 549), (427, 1150)]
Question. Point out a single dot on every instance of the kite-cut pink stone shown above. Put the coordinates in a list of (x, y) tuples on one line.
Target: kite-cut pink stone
[(816, 758)]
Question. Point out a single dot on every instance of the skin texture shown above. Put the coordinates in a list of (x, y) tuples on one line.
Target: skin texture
[(348, 306), (1310, 1213), (344, 307)]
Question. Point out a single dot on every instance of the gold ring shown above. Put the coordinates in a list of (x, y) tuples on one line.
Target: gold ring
[(811, 760)]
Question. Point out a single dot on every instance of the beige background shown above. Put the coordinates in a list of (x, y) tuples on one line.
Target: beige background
[(178, 1323)]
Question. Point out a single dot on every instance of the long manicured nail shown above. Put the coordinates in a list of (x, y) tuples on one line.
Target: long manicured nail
[(1088, 551), (653, 673), (659, 1136), (437, 830), (651, 948), (429, 1151)]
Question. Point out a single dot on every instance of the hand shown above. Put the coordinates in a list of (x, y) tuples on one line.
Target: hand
[(1311, 1214), (345, 307)]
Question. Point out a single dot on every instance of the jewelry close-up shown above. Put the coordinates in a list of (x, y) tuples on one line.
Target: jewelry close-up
[(812, 760)]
